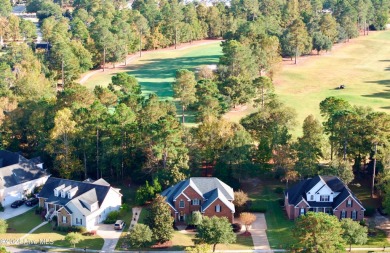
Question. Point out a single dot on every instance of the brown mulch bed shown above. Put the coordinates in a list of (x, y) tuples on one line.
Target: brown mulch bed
[(246, 233), (164, 245)]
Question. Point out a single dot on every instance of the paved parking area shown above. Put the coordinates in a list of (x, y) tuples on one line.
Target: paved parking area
[(10, 212)]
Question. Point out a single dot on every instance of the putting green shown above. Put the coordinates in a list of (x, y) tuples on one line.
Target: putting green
[(155, 71), (362, 65)]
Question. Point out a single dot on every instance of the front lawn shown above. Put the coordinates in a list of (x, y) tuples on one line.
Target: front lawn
[(264, 199), (22, 224), (58, 238)]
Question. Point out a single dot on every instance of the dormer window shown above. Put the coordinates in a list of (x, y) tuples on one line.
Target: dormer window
[(62, 194), (69, 195), (324, 198), (55, 193)]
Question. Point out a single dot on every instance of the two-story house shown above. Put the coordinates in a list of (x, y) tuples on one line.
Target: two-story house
[(209, 195), (326, 194), (19, 176), (78, 203)]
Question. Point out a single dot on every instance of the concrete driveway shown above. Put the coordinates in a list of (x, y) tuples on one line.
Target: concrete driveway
[(110, 236), (10, 212)]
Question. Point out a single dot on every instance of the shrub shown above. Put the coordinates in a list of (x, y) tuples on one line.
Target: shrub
[(236, 227), (370, 211), (111, 217), (194, 219), (147, 192), (279, 190), (39, 210), (140, 236), (78, 229)]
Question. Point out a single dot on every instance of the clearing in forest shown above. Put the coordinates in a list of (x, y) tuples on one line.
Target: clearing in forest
[(155, 70)]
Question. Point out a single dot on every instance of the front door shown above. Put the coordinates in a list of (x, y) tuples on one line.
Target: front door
[(182, 216)]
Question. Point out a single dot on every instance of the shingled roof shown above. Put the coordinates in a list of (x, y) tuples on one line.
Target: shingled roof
[(85, 191), (15, 169), (297, 193), (210, 188)]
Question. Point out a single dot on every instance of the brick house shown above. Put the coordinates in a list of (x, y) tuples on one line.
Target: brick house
[(326, 194), (209, 195), (78, 203)]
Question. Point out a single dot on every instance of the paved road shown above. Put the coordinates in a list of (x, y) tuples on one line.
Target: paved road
[(258, 232), (10, 212)]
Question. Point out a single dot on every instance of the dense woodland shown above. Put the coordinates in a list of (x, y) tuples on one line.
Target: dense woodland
[(119, 133)]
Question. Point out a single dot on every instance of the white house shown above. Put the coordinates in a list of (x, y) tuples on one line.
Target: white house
[(78, 203), (19, 176)]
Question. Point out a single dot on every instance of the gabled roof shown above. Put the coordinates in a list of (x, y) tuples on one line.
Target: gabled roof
[(207, 187), (47, 192), (298, 192), (83, 202), (15, 169), (214, 195)]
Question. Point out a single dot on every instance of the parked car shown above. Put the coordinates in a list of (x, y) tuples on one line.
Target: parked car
[(17, 203), (119, 224), (32, 201)]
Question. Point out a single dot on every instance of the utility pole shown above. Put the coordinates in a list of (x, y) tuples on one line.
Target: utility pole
[(104, 58), (97, 153), (373, 170), (63, 75), (140, 43)]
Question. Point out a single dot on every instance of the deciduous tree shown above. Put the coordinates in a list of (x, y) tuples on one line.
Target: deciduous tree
[(140, 236), (247, 219), (353, 232), (215, 230), (319, 232)]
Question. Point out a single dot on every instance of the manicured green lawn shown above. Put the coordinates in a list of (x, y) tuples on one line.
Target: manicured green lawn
[(264, 199), (58, 238), (155, 71), (362, 65), (23, 223)]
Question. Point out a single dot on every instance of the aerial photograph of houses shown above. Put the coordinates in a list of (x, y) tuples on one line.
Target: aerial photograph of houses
[(199, 126)]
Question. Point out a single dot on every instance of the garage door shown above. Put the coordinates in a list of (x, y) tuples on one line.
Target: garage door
[(11, 197)]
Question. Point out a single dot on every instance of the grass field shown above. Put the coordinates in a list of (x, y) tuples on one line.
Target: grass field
[(155, 71), (362, 65)]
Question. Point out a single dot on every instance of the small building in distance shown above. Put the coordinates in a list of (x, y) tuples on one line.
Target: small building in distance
[(78, 203), (209, 195), (326, 194), (19, 176)]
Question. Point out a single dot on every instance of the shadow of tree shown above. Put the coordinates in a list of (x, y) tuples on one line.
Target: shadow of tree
[(384, 94)]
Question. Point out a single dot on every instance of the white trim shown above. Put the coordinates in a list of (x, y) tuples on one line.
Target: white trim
[(350, 195), (296, 206), (182, 192)]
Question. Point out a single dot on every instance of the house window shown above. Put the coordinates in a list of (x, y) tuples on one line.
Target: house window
[(302, 211), (79, 221), (195, 202), (55, 193), (63, 219), (349, 203), (181, 204), (218, 208), (324, 198), (311, 197), (343, 214), (354, 215), (69, 195), (62, 194)]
